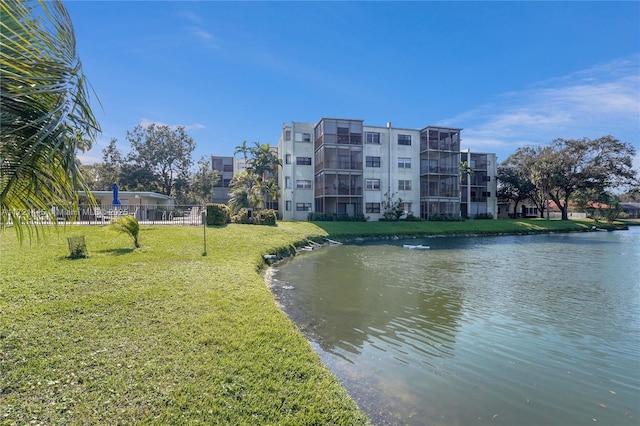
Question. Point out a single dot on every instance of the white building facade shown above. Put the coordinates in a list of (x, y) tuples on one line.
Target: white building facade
[(342, 166)]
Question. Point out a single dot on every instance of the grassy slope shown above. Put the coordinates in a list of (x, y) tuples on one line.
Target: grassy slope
[(348, 230), (159, 335), (164, 335)]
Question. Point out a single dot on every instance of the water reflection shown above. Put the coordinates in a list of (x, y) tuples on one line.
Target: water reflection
[(386, 313), (510, 330)]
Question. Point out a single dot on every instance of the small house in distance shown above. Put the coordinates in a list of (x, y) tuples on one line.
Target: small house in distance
[(141, 204)]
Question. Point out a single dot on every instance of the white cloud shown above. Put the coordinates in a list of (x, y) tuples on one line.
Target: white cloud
[(208, 39), (590, 103)]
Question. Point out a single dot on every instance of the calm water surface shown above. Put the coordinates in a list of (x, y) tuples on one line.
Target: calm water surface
[(523, 330)]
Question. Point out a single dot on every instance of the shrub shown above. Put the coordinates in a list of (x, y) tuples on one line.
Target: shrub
[(333, 217), (217, 214), (259, 217), (436, 217), (412, 218), (483, 216)]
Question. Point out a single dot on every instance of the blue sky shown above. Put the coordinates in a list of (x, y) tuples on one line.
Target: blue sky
[(509, 73)]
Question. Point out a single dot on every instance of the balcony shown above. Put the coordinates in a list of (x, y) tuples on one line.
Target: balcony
[(439, 170), (339, 190)]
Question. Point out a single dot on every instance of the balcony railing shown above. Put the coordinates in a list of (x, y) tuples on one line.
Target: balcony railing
[(442, 193), (342, 165), (340, 190), (439, 170)]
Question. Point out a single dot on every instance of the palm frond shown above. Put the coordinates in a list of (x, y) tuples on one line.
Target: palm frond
[(127, 224), (46, 115)]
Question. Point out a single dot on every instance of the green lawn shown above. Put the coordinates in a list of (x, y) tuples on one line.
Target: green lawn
[(157, 335), (349, 230), (164, 335)]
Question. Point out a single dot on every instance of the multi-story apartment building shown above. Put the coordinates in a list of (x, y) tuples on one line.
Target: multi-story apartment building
[(479, 188), (226, 169), (343, 166)]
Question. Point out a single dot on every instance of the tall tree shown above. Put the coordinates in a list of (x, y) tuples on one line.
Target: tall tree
[(513, 184), (242, 149), (203, 181), (164, 152), (111, 167), (46, 115), (527, 177), (264, 164), (574, 164)]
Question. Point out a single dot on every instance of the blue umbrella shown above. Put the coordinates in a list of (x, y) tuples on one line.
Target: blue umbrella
[(116, 202)]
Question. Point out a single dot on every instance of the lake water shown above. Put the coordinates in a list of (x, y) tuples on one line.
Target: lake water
[(512, 330)]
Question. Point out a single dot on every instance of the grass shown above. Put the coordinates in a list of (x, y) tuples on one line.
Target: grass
[(157, 335), (350, 230), (164, 335)]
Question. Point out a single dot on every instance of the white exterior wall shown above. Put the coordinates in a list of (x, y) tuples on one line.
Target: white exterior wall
[(492, 186), (375, 150), (292, 173), (388, 173)]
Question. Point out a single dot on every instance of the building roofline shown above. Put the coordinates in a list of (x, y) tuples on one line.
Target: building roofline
[(441, 127), (148, 194)]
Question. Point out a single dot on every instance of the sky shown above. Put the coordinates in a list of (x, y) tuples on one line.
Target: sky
[(510, 74)]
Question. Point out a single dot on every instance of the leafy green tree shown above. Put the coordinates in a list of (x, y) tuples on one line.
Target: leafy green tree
[(566, 167), (203, 181), (111, 166), (102, 176), (393, 209), (258, 186), (162, 152), (600, 164), (46, 115), (516, 178), (514, 184)]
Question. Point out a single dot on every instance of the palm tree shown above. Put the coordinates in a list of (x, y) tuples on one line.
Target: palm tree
[(129, 225), (244, 150), (45, 116), (264, 165), (244, 192)]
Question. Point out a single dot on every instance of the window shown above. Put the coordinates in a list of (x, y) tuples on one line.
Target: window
[(404, 185), (486, 194), (287, 182), (373, 161), (287, 135), (227, 168), (372, 137), (226, 182), (303, 184), (372, 207), (288, 205), (404, 162), (287, 159), (303, 161), (303, 207), (372, 184), (404, 139), (406, 207), (303, 137)]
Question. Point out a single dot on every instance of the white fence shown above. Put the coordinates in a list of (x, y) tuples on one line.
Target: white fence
[(147, 214)]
